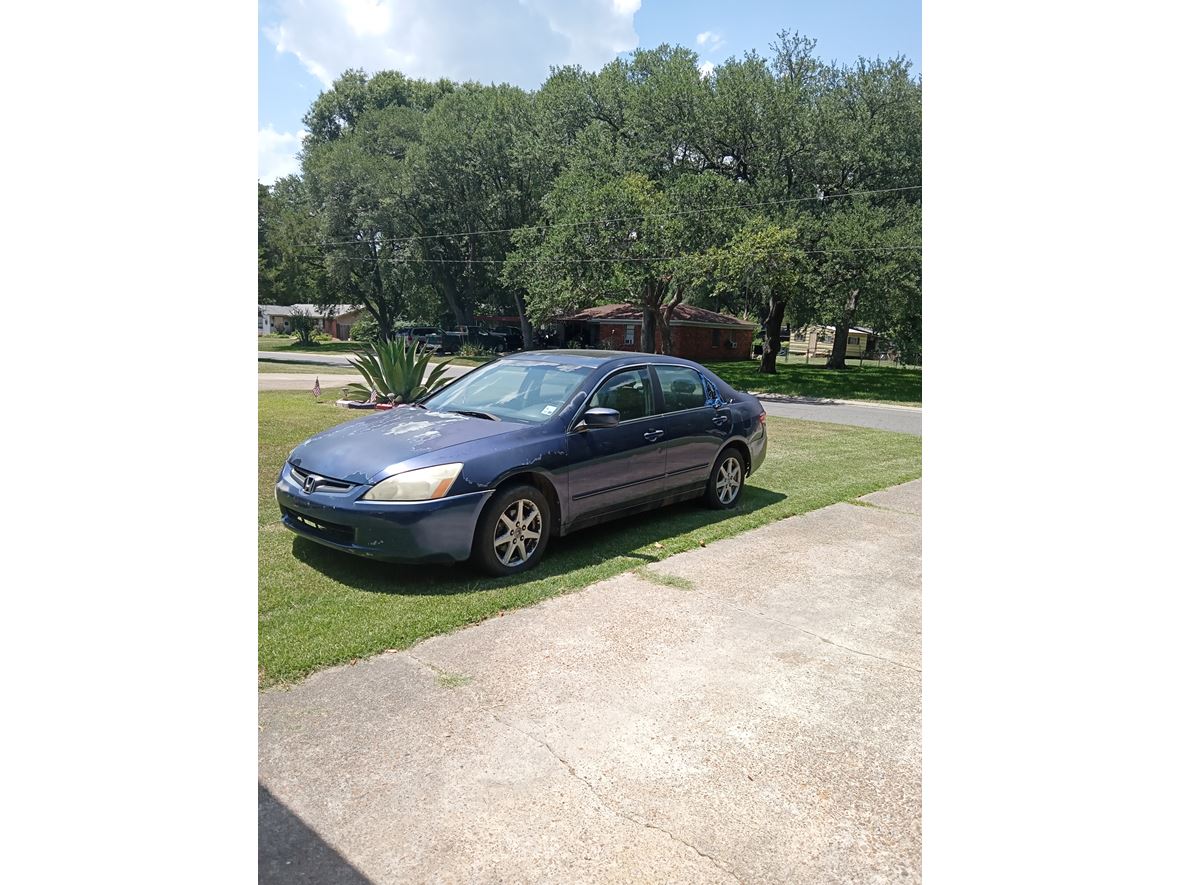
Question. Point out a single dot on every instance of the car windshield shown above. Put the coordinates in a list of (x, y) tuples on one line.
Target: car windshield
[(511, 390)]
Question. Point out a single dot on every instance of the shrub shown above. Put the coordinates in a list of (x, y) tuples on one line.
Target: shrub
[(474, 350), (396, 372), (365, 330), (303, 326)]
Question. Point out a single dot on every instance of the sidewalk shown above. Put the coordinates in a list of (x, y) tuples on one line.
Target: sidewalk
[(749, 711)]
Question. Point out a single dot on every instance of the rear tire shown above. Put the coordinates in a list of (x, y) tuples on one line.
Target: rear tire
[(513, 531), (727, 481)]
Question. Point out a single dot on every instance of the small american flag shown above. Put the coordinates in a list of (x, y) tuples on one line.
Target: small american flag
[(315, 391)]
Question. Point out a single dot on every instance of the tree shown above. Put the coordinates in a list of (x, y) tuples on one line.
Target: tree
[(289, 271), (865, 267), (355, 168), (303, 324), (476, 173), (619, 239), (763, 260)]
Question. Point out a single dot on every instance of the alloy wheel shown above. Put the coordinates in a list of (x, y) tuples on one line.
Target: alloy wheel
[(518, 532), (729, 480)]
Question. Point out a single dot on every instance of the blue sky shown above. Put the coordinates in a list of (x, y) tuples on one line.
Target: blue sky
[(304, 44)]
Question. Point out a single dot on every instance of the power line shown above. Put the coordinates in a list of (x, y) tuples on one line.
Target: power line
[(820, 197)]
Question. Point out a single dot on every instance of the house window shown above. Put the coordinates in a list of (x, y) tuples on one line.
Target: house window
[(801, 335), (854, 339), (823, 336), (628, 334), (716, 337)]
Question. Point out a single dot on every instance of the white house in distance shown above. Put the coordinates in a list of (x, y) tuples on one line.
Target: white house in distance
[(334, 319)]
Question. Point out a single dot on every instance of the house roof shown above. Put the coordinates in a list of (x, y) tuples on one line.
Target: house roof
[(682, 315), (316, 310)]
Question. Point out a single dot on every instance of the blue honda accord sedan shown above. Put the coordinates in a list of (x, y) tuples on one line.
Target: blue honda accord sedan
[(533, 445)]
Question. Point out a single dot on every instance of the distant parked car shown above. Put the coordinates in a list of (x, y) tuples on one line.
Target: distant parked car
[(521, 449), (416, 333), (513, 340), (444, 342)]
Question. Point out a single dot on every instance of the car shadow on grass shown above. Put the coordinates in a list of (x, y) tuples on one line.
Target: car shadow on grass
[(624, 538)]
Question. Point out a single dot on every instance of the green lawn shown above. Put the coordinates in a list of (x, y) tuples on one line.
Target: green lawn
[(885, 384), (286, 344), (304, 368), (318, 607)]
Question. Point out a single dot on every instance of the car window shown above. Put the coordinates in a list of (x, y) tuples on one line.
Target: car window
[(629, 393), (512, 391), (682, 388)]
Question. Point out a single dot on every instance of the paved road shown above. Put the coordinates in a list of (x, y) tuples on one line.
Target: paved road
[(716, 721), (900, 419)]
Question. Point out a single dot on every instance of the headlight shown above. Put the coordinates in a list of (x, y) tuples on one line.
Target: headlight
[(415, 485)]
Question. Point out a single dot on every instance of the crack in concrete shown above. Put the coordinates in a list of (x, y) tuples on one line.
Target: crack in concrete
[(594, 792), (855, 651)]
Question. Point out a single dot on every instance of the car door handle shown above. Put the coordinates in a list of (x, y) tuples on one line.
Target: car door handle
[(653, 435), (720, 419)]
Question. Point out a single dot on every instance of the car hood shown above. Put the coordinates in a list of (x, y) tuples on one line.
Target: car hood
[(361, 451)]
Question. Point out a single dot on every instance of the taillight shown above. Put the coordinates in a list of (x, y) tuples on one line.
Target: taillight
[(762, 419)]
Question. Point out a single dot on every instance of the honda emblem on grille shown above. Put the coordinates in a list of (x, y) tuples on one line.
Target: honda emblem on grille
[(309, 484)]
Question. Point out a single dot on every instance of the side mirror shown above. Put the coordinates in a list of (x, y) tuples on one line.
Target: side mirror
[(594, 418)]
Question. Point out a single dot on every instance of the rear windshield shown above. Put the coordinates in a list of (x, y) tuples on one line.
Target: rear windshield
[(511, 390)]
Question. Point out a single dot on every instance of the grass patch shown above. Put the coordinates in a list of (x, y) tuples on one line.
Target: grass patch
[(667, 580), (884, 384), (318, 607), (286, 344), (266, 367)]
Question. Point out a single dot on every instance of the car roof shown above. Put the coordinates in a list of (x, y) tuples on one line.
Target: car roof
[(597, 357)]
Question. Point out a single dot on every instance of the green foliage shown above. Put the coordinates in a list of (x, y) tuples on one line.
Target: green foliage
[(395, 372), (474, 350), (303, 325), (365, 330)]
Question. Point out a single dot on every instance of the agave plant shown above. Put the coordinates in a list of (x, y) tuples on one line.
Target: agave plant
[(396, 372)]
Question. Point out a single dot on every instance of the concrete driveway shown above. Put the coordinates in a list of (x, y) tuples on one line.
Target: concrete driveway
[(745, 712)]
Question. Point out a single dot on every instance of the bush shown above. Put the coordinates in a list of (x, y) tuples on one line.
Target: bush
[(365, 330), (474, 350)]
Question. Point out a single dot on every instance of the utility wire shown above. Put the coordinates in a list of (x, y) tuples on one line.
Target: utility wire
[(820, 197)]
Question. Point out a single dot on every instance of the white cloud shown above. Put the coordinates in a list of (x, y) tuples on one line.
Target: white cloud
[(709, 39), (706, 68), (278, 153), (512, 41)]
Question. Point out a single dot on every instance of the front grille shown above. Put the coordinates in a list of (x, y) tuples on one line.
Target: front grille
[(322, 483), (329, 531)]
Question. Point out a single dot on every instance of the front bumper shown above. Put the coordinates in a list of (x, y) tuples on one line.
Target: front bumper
[(411, 531)]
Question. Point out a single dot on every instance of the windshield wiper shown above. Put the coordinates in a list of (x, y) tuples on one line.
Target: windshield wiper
[(474, 414)]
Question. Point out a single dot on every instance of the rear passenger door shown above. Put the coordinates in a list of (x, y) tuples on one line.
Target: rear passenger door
[(612, 468), (696, 425)]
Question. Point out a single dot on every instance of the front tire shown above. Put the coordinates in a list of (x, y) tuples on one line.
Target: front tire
[(513, 531), (727, 481)]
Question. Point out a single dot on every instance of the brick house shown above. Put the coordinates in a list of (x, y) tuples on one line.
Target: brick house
[(697, 334)]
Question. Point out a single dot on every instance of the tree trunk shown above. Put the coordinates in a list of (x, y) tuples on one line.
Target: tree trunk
[(647, 338), (771, 343), (665, 321), (840, 344), (526, 327), (454, 303)]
